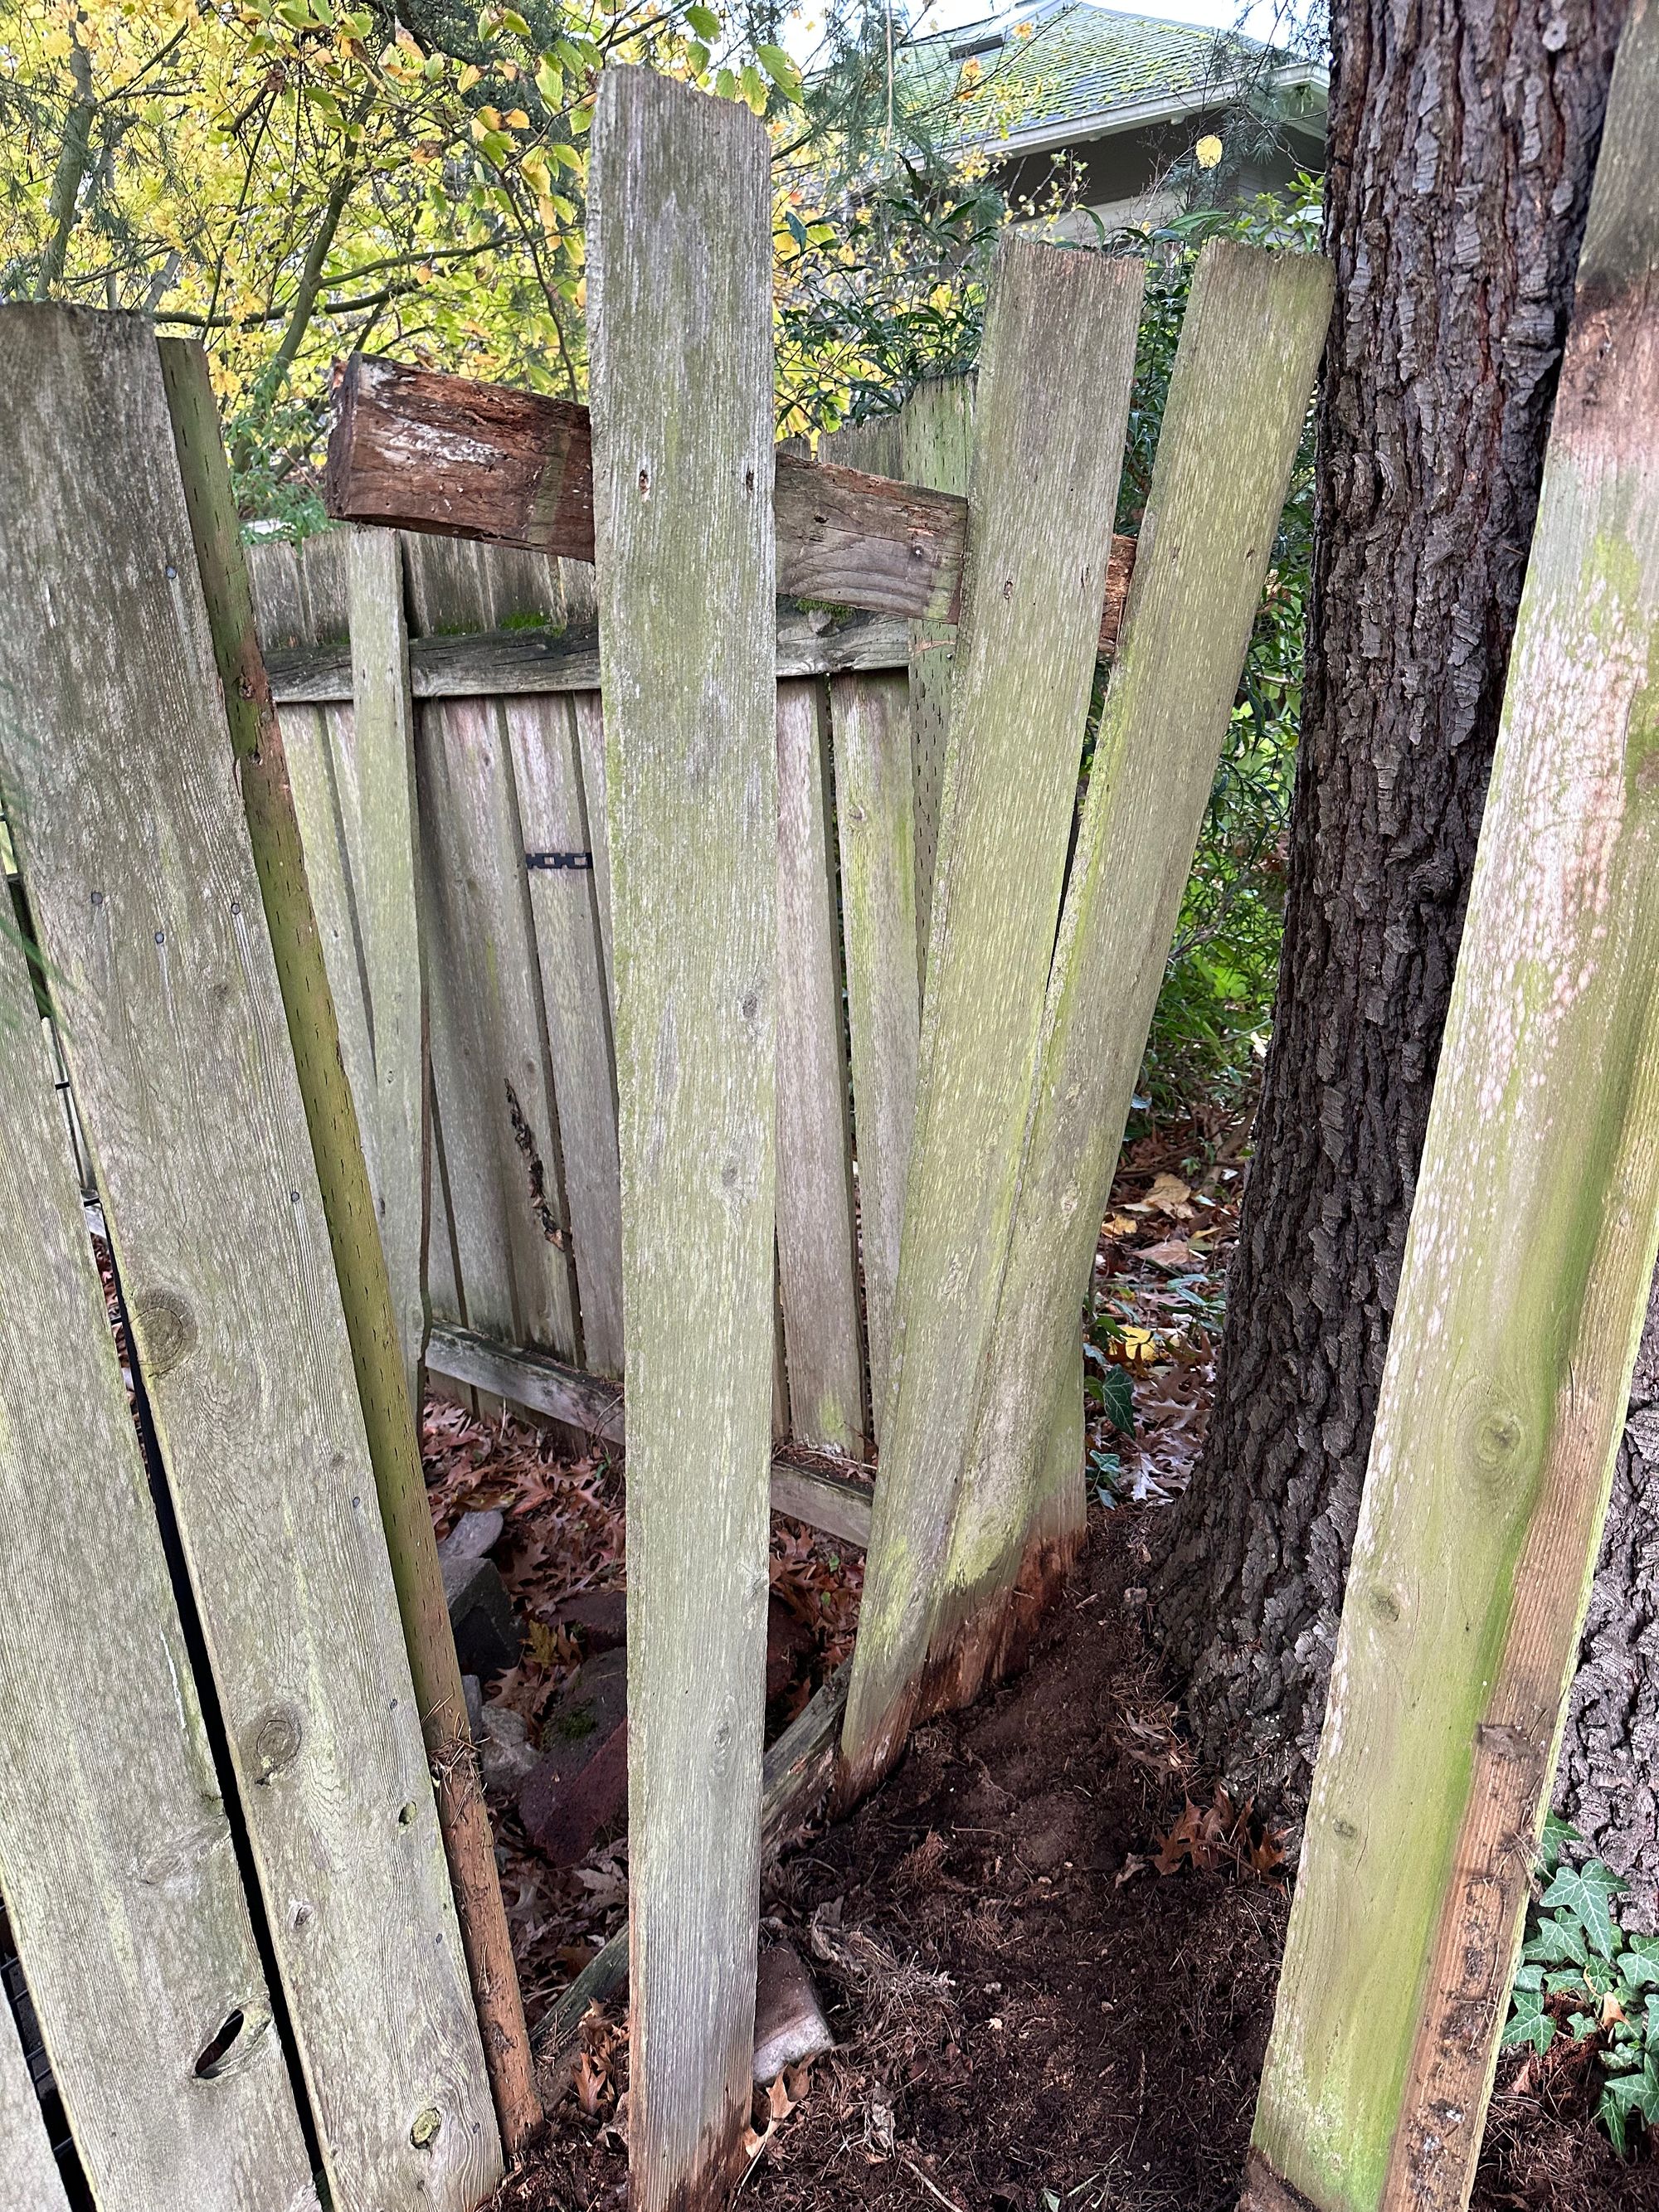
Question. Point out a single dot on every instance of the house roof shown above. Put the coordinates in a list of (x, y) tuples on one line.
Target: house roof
[(1063, 70)]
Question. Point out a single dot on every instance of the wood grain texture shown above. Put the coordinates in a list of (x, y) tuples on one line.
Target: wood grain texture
[(575, 999), (1238, 396), (385, 862), (29, 2180), (875, 826), (589, 711), (492, 662), (149, 910), (838, 1504), (1052, 404), (817, 1239), (680, 329), (115, 1857), (437, 453), (354, 1236), (1526, 1276)]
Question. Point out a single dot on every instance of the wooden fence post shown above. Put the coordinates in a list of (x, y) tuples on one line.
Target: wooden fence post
[(387, 858), (680, 331), (1254, 323), (1051, 407), (359, 1260), (1526, 1273)]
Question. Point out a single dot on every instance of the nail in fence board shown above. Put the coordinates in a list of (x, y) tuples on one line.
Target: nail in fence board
[(875, 823), (1052, 405), (1250, 344), (118, 1868), (680, 307), (1526, 1274), (817, 1242), (135, 853), (565, 907), (29, 2180), (386, 856)]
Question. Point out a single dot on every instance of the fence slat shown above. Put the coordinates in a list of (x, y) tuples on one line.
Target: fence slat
[(29, 2180), (1250, 344), (142, 885), (1526, 1274), (936, 449), (590, 743), (115, 1857), (875, 823), (818, 1241), (1053, 403), (489, 1051), (386, 858), (680, 332), (564, 905)]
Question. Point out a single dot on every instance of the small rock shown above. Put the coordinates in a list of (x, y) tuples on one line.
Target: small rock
[(1133, 1599), (473, 1534), (600, 1615), (789, 2021), (506, 1754), (488, 1638), (578, 1791)]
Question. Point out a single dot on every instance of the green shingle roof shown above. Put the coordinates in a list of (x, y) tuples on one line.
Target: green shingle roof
[(1058, 63)]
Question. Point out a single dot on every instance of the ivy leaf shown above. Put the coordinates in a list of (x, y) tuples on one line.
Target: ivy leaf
[(1588, 1893), (1639, 1962), (1628, 2093), (1554, 1939), (1528, 2023)]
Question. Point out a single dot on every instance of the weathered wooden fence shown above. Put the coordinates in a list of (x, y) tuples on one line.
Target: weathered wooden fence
[(735, 1005)]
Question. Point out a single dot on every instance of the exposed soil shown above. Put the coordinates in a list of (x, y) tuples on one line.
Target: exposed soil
[(1046, 1947)]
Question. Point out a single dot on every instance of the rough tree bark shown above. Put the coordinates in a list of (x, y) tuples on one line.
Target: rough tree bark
[(1463, 135)]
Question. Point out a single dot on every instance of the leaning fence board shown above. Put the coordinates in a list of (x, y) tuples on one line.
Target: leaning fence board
[(355, 1244), (1250, 340), (1053, 403), (136, 859), (680, 333), (386, 858), (1526, 1273), (818, 1241), (117, 1868), (875, 825), (29, 2179), (559, 858)]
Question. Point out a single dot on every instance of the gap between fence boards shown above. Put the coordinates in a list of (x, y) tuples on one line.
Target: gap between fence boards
[(417, 449), (836, 1504)]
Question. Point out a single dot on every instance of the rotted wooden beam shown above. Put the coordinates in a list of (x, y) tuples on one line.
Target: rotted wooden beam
[(416, 449)]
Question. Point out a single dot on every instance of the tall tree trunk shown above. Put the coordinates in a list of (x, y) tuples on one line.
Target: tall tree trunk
[(74, 167), (1463, 138)]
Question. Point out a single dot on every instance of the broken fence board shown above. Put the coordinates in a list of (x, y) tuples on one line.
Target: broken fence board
[(564, 905), (818, 1239), (142, 883), (1052, 405), (875, 823), (117, 1868), (386, 857), (1526, 1274), (681, 346), (430, 452), (1250, 341)]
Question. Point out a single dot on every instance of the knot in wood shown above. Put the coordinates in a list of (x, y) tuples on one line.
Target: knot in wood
[(166, 1329)]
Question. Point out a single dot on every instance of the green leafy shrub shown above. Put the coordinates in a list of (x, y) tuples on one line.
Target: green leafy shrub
[(1581, 1977)]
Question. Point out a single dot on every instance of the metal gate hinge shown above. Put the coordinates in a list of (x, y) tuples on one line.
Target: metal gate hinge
[(558, 860)]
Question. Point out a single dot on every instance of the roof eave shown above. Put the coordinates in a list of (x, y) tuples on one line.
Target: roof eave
[(1137, 115)]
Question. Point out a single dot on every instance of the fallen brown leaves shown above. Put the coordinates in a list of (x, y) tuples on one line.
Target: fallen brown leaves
[(1220, 1836)]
